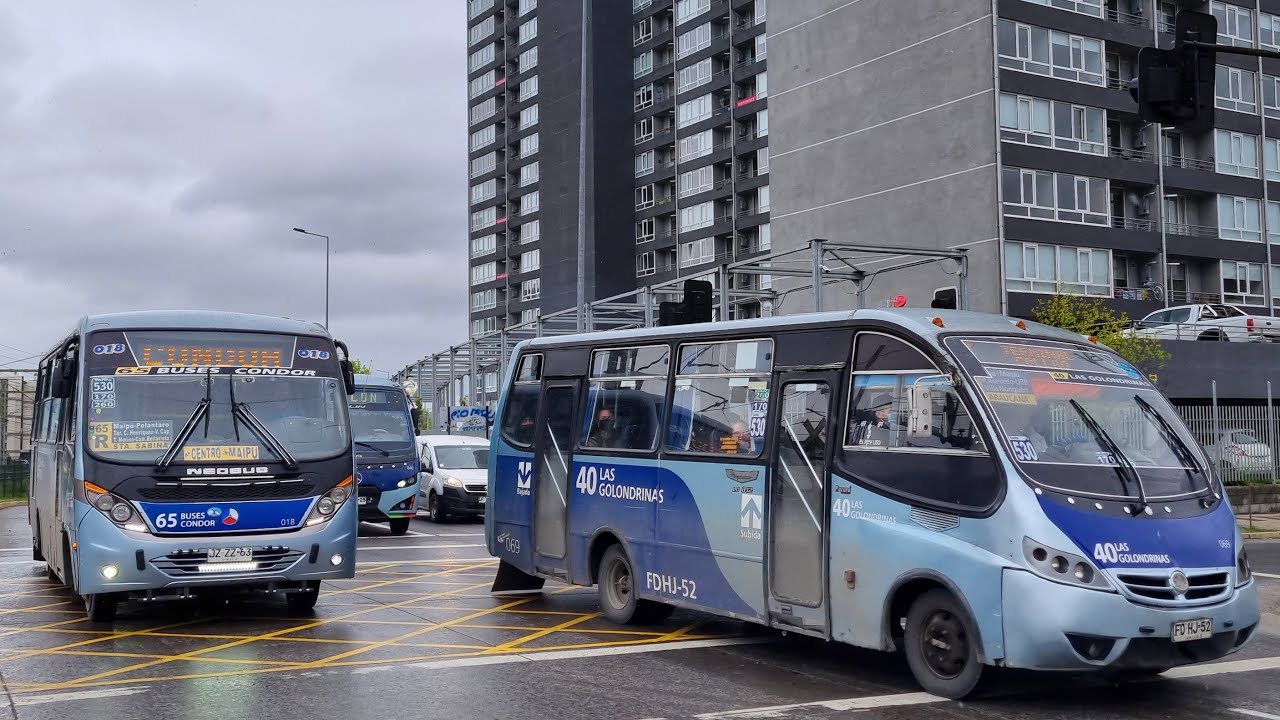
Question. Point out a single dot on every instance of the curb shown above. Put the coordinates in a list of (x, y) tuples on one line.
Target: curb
[(1264, 535), (6, 504)]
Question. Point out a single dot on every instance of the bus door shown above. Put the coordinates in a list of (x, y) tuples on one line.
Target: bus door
[(797, 520), (553, 463)]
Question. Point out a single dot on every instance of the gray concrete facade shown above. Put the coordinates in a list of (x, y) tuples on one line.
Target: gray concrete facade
[(884, 134)]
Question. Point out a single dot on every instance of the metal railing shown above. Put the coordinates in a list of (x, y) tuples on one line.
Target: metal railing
[(1132, 154), (1240, 440), (1186, 297), (1175, 228), (1125, 18), (1140, 293), (1127, 223), (1189, 163), (1115, 83)]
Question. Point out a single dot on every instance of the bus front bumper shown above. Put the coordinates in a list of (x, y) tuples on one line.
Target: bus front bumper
[(111, 560), (1050, 626), (382, 505)]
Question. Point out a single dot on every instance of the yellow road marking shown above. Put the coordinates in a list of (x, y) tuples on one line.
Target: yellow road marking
[(541, 633)]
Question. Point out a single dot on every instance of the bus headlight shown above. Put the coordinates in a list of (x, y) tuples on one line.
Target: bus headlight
[(119, 510), (1244, 573), (407, 482), (329, 503), (325, 506), (1062, 567)]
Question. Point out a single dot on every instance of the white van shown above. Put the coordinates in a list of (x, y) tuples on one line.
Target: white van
[(455, 475)]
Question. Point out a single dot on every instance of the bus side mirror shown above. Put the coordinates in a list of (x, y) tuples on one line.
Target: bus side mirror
[(416, 414), (920, 412), (63, 379), (348, 376)]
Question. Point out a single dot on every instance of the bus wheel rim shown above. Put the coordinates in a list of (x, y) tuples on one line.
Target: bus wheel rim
[(619, 584), (945, 645)]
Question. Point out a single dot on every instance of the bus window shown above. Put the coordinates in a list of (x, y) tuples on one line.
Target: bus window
[(626, 398), (521, 414), (721, 398)]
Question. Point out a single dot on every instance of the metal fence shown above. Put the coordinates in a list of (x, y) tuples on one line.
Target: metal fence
[(15, 477), (1240, 439)]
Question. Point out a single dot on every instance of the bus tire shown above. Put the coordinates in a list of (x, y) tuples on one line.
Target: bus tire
[(101, 607), (399, 526), (303, 602), (941, 645), (36, 553), (619, 598)]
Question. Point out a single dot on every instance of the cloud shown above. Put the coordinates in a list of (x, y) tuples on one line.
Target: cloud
[(162, 163)]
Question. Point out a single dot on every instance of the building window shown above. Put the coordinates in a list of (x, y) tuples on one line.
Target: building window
[(762, 123), (484, 110), (530, 203), (1043, 195), (1084, 7), (530, 232), (762, 161), (642, 64), (481, 30), (644, 97), (482, 57), (484, 164), (531, 289), (526, 6), (645, 230), (484, 137), (696, 217), (486, 190), (696, 146), (1235, 24), (1238, 218), (1036, 121), (644, 197), (528, 59), (528, 145), (646, 264), (1233, 90), (1269, 31), (1038, 50), (483, 84), (642, 31), (695, 110), (484, 300), (762, 50), (1242, 283), (694, 40), (766, 241), (530, 261), (762, 199), (482, 219), (529, 117), (528, 31), (644, 130), (1270, 96), (484, 326), (487, 272), (644, 163), (528, 88), (530, 316), (694, 75), (760, 10), (484, 245), (687, 10), (1236, 153), (696, 181), (475, 7), (699, 251), (529, 174), (1031, 267)]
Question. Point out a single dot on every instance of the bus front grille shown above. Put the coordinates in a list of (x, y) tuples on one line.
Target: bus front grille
[(1154, 588), (193, 562), (227, 492)]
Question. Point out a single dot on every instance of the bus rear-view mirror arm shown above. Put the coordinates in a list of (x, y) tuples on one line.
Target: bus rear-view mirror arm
[(920, 406)]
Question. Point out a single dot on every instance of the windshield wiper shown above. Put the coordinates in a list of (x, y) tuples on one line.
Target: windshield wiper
[(242, 411), (1128, 473), (371, 447), (201, 412), (1180, 447)]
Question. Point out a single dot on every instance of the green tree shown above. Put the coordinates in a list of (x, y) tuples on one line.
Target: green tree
[(1092, 316), (359, 368)]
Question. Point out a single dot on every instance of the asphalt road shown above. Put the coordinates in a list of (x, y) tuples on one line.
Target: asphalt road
[(416, 635)]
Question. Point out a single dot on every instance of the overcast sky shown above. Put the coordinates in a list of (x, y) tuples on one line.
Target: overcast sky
[(155, 154)]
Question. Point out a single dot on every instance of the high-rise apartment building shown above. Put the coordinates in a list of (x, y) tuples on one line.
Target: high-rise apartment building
[(675, 158), (1007, 128)]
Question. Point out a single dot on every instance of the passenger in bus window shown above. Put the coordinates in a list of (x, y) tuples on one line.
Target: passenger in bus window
[(877, 430), (738, 440), (604, 433)]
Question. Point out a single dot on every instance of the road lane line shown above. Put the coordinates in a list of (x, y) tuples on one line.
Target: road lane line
[(381, 548), (1266, 575), (422, 562), (1255, 713), (1222, 668), (844, 704), (24, 700)]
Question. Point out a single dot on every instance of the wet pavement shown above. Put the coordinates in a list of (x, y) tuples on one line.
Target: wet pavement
[(417, 635)]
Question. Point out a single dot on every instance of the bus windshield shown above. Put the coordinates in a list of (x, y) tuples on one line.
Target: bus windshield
[(380, 418), (1082, 420), (246, 397)]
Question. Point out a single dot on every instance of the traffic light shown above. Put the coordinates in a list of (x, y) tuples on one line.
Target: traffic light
[(695, 307), (1175, 87)]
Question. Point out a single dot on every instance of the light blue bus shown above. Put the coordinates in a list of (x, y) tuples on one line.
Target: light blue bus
[(178, 454), (970, 489), (384, 425)]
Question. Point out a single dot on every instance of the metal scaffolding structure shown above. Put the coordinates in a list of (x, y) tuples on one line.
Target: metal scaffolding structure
[(470, 373)]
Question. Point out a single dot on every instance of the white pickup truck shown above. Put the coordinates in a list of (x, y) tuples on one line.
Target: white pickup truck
[(1226, 323)]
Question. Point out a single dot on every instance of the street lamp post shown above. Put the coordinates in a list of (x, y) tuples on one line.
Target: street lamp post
[(326, 271)]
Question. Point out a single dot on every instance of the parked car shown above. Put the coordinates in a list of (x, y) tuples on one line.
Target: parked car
[(455, 475), (1213, 321), (1239, 452)]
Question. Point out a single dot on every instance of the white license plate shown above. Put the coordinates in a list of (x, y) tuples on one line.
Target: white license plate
[(1186, 630), (221, 554), (364, 499)]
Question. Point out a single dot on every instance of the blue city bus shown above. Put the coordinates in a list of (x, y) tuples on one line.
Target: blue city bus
[(970, 489), (179, 454), (384, 424)]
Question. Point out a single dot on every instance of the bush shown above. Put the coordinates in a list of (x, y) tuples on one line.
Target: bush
[(1092, 316)]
